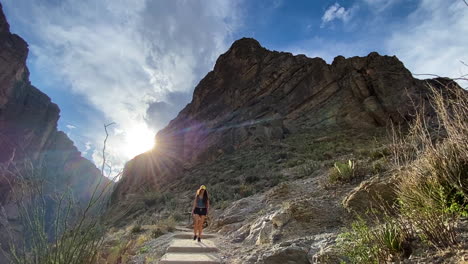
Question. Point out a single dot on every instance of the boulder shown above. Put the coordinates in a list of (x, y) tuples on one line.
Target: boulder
[(371, 194)]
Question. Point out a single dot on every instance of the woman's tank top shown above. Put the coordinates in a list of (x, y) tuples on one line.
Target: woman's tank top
[(200, 202)]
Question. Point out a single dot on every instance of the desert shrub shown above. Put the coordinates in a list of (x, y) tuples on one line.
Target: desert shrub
[(357, 244), (143, 250), (158, 199), (390, 238), (457, 203), (379, 153), (136, 229), (178, 216), (343, 172), (423, 202), (245, 190), (432, 190), (380, 165), (431, 161), (377, 244), (276, 178), (252, 179), (55, 227), (157, 233), (219, 194), (233, 181), (294, 162)]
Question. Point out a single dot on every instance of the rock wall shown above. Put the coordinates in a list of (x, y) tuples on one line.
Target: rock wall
[(28, 118), (255, 96), (29, 136)]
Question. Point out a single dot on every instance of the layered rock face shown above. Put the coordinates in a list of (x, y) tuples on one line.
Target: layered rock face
[(28, 128), (255, 96)]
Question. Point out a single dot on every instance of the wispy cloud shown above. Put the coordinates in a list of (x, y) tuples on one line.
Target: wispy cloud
[(433, 39), (70, 127), (336, 12), (124, 56), (380, 5)]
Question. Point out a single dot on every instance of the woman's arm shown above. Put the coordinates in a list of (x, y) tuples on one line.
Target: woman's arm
[(194, 203)]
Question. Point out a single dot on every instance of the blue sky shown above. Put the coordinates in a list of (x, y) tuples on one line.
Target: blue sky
[(136, 62)]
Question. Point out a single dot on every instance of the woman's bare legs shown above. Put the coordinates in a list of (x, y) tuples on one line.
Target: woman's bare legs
[(196, 220), (200, 224)]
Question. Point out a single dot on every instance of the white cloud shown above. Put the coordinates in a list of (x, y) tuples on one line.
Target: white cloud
[(88, 146), (70, 127), (124, 55), (336, 12), (434, 39)]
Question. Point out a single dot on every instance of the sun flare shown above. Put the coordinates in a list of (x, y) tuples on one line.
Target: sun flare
[(137, 140)]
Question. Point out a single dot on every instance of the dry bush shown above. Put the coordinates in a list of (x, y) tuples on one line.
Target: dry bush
[(434, 168), (55, 228), (431, 160), (373, 242)]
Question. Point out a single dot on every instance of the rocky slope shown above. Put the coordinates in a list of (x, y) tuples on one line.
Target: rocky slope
[(263, 132), (28, 132), (256, 96)]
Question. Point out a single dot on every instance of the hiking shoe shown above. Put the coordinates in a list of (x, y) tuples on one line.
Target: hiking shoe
[(199, 239), (194, 237)]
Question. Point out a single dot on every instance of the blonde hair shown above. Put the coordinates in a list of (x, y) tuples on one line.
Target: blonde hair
[(203, 187)]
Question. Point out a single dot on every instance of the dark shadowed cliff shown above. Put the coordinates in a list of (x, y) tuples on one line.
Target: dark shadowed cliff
[(30, 144)]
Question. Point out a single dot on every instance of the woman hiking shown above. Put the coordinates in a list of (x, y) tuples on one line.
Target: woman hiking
[(201, 204)]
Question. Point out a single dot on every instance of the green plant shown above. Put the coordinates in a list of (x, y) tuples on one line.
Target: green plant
[(457, 203), (377, 244), (143, 250), (390, 238), (356, 245), (343, 172)]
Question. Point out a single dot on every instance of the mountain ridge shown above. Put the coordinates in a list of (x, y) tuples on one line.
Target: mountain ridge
[(256, 96)]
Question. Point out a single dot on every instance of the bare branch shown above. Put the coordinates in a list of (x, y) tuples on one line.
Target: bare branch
[(104, 148)]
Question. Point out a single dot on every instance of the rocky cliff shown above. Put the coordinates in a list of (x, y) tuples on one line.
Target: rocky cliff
[(28, 131), (28, 118), (256, 96)]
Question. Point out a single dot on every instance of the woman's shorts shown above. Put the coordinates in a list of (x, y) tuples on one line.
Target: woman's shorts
[(199, 211)]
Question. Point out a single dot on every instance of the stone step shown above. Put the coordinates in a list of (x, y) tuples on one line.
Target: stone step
[(192, 246), (193, 258), (189, 235), (183, 229)]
